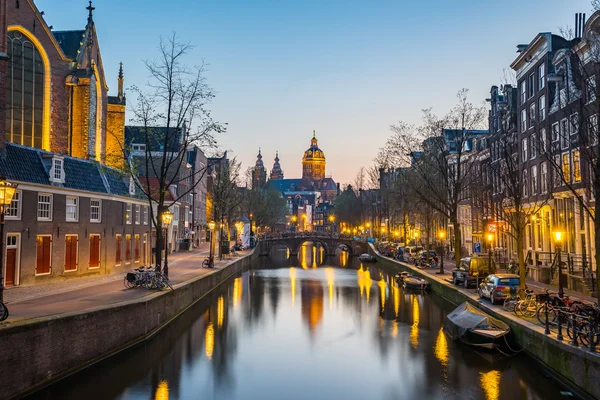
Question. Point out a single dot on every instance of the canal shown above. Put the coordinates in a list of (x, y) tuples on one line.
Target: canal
[(308, 327)]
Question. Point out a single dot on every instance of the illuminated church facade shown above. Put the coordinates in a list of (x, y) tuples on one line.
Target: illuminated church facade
[(309, 198)]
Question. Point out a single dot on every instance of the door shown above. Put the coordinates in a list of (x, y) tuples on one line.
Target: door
[(12, 260)]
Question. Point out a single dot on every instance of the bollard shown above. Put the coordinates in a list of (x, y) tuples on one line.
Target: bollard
[(547, 330), (591, 337), (574, 327), (559, 335)]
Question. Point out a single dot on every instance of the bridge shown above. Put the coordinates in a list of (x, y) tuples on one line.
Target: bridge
[(329, 241)]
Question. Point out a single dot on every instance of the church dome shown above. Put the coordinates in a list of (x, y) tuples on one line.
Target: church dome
[(276, 172), (259, 161), (314, 152)]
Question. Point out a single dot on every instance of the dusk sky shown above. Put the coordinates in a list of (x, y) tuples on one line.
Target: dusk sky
[(346, 69)]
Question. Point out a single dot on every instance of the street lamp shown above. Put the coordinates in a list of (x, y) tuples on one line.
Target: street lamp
[(211, 227), (7, 191), (558, 238), (167, 217), (441, 235), (490, 238)]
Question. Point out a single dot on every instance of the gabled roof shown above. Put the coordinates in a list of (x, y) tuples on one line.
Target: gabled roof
[(152, 186), (156, 137), (70, 41)]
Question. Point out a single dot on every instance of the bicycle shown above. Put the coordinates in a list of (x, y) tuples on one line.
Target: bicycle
[(528, 306), (3, 311), (511, 301), (208, 263)]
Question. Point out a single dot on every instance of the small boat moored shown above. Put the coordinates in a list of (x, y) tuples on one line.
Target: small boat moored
[(367, 258), (475, 328), (400, 276), (414, 282)]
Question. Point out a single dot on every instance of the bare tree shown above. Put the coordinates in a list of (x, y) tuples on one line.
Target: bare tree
[(173, 117)]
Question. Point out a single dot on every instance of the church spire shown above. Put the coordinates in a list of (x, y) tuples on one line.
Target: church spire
[(120, 94), (91, 9)]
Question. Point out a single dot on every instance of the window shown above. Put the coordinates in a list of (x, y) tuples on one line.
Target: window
[(71, 245), (95, 210), (72, 209), (24, 92), (564, 133), (531, 84), (566, 167), (576, 166), (544, 177), (43, 254), (557, 170), (94, 251), (523, 93), (555, 132), (57, 172), (534, 179), (574, 123), (531, 115), (136, 252), (138, 147), (525, 184), (118, 246), (541, 76), (524, 150), (534, 146), (138, 216), (145, 215), (128, 214), (176, 214), (13, 211), (186, 216), (127, 248), (590, 89), (523, 120), (543, 141), (593, 129), (44, 207), (542, 107)]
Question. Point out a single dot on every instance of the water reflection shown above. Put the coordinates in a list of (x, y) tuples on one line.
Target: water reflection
[(246, 340)]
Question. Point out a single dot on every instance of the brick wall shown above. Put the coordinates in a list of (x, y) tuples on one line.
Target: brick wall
[(115, 135)]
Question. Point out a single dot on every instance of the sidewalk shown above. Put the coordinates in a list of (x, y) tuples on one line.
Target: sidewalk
[(79, 295)]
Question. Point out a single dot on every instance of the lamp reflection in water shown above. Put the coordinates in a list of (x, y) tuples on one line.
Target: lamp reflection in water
[(383, 292), (490, 383), (441, 349), (293, 284), (220, 311), (314, 256), (330, 274), (209, 341), (364, 281), (303, 256), (414, 330), (237, 291), (162, 391), (396, 291)]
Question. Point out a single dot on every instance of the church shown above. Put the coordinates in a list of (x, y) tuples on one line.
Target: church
[(310, 198)]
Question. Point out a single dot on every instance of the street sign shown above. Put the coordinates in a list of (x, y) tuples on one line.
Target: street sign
[(476, 247)]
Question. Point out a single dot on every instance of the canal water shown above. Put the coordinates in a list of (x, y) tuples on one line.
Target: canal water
[(309, 327)]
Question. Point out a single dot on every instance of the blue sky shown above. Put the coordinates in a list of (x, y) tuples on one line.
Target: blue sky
[(347, 69)]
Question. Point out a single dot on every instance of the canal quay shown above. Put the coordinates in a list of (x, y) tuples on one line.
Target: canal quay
[(309, 327)]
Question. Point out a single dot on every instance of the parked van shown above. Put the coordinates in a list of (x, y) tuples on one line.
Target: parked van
[(472, 269)]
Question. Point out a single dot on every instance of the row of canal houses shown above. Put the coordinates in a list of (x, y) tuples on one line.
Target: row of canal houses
[(63, 140)]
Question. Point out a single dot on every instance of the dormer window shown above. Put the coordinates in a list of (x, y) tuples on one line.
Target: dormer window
[(57, 171), (138, 147)]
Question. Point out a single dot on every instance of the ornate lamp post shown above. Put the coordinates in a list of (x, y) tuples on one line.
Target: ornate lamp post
[(368, 225), (441, 235), (490, 238), (7, 191), (558, 238), (211, 227), (167, 217)]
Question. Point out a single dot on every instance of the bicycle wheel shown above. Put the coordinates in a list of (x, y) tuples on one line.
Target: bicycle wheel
[(205, 264), (541, 315), (3, 311), (527, 308), (509, 304)]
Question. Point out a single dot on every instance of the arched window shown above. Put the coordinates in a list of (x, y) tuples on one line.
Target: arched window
[(24, 92)]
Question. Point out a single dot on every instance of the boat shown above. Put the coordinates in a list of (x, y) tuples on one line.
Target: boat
[(475, 328), (367, 258), (414, 282), (400, 276)]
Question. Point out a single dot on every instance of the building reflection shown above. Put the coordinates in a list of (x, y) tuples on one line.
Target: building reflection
[(330, 274), (414, 329), (312, 296)]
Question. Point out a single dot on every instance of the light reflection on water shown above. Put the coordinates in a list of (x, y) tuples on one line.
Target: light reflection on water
[(288, 330)]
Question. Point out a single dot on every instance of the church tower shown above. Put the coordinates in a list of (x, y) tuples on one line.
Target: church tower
[(259, 174), (276, 172), (313, 162)]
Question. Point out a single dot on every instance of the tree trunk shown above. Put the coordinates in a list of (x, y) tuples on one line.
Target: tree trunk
[(595, 252), (521, 257), (457, 241), (158, 247)]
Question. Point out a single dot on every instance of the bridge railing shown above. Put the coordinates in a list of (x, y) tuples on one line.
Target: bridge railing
[(306, 235)]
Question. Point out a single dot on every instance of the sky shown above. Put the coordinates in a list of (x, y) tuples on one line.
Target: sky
[(346, 69)]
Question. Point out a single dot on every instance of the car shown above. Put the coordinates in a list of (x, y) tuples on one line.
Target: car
[(413, 251), (471, 270), (499, 286)]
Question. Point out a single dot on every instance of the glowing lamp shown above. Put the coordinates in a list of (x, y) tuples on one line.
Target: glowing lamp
[(7, 191), (167, 217), (490, 237), (211, 225), (558, 236)]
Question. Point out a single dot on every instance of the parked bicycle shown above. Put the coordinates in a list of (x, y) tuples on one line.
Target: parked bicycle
[(146, 277), (3, 311), (208, 262)]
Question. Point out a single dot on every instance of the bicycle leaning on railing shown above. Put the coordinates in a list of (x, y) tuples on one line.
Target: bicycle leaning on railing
[(3, 311), (147, 277)]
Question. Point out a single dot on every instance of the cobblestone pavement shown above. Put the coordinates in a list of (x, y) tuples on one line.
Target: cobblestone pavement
[(107, 290)]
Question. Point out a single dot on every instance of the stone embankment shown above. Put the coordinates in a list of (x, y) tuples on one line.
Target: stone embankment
[(576, 367), (39, 351)]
